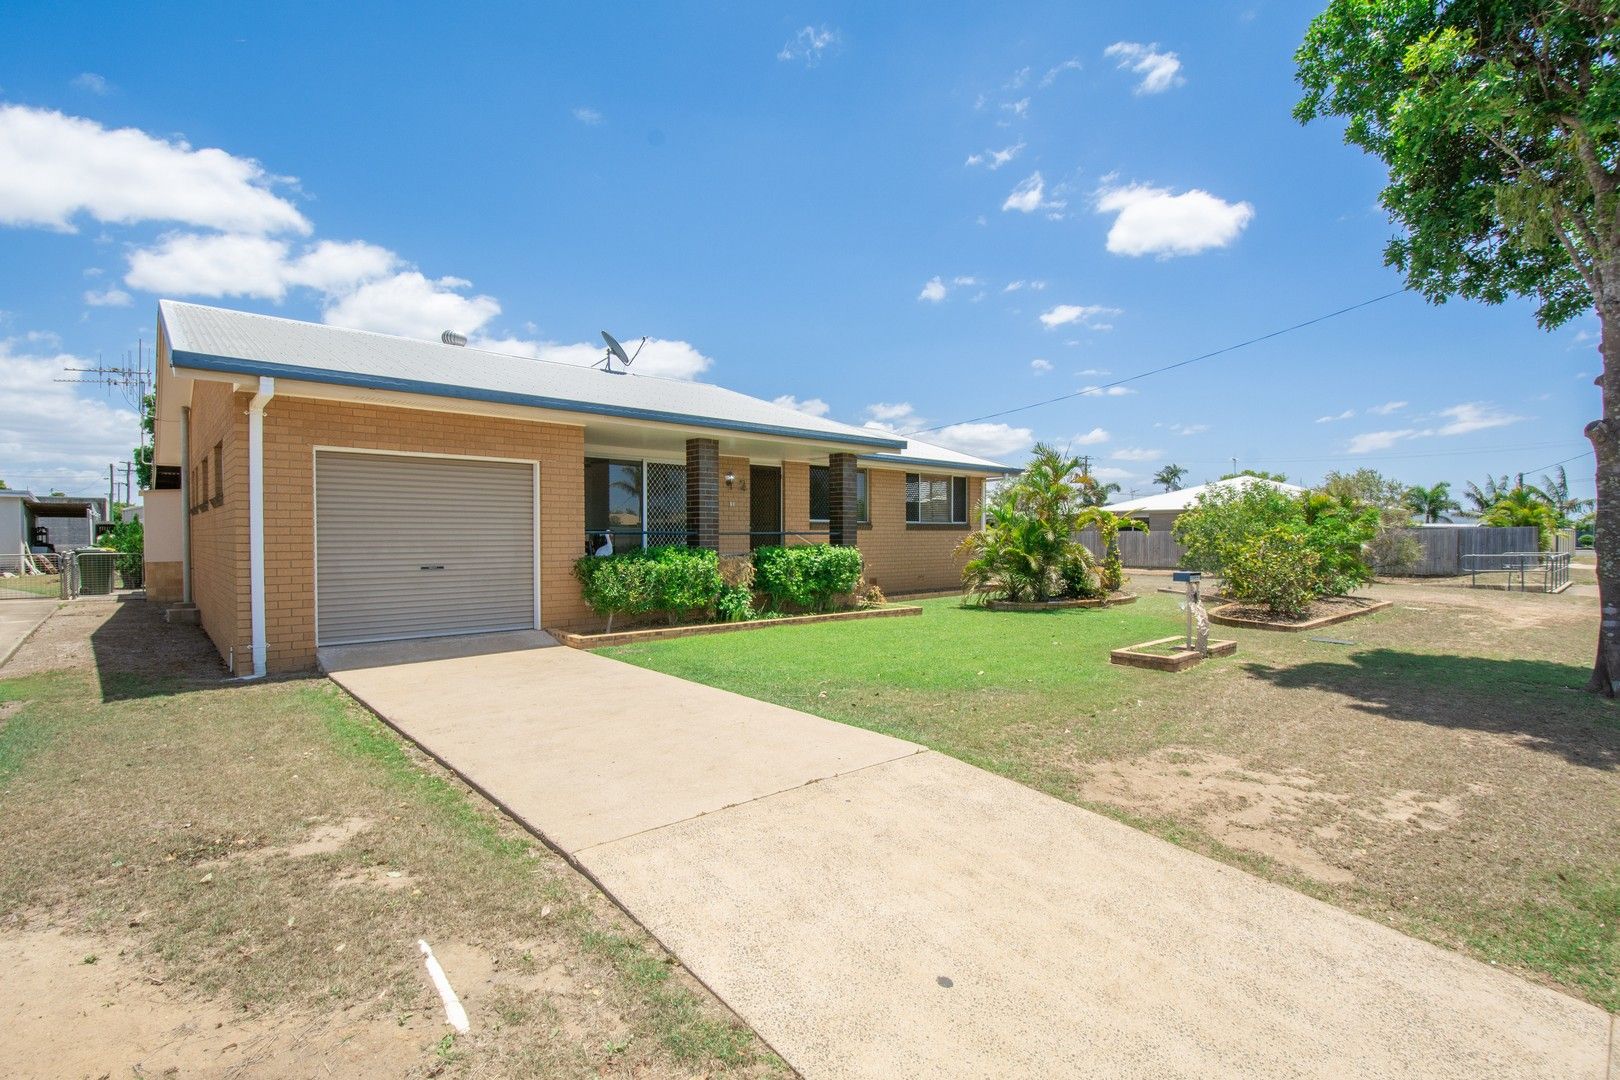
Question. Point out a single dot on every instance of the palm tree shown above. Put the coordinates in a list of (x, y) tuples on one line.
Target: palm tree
[(1112, 573), (1431, 503), (1480, 500), (1555, 488), (1170, 477), (1524, 506), (1092, 493)]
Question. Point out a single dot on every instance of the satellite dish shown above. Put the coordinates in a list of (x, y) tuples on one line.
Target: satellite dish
[(615, 351)]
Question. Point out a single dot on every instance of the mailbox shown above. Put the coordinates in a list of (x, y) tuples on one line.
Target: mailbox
[(1185, 575)]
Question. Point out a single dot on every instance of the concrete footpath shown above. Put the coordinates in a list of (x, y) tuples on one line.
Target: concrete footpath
[(18, 619), (874, 909)]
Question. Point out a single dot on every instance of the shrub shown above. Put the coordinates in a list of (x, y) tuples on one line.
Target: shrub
[(1275, 569), (128, 538), (679, 582), (1080, 576), (806, 575), (734, 604)]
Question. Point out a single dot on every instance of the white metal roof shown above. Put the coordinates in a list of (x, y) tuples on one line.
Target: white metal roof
[(919, 453), (218, 339), (1181, 500)]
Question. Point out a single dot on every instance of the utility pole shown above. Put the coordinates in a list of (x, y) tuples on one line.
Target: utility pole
[(1085, 464), (1234, 466), (112, 491)]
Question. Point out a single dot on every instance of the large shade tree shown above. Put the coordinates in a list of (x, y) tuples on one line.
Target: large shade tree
[(1499, 121)]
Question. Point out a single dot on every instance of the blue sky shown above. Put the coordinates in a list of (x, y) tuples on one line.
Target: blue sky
[(826, 203)]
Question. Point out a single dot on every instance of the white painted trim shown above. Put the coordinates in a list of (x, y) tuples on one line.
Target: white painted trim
[(318, 449), (267, 391), (185, 502)]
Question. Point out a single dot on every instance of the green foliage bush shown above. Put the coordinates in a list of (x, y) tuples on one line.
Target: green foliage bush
[(807, 575), (1277, 569), (677, 582), (1277, 550), (128, 538)]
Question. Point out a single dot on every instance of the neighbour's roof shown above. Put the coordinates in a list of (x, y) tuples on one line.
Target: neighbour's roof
[(1181, 500), (237, 342)]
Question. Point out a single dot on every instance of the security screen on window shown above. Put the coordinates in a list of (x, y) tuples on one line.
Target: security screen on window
[(936, 500), (821, 495)]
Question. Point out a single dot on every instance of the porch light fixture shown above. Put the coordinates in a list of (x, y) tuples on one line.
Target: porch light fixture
[(731, 479)]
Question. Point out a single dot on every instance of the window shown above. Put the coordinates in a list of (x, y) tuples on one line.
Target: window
[(199, 485), (821, 495), (635, 502), (936, 500), (219, 475)]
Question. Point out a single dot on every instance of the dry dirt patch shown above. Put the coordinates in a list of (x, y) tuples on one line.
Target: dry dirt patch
[(251, 865)]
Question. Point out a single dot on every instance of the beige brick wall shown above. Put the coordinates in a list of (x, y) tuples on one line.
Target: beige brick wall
[(294, 427), (898, 559), (219, 538), (734, 507), (901, 558)]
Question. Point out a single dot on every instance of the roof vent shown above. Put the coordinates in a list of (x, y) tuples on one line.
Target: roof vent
[(450, 337)]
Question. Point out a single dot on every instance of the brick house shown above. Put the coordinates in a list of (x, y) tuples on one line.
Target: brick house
[(332, 486)]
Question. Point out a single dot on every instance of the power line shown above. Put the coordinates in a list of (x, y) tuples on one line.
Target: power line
[(1091, 390)]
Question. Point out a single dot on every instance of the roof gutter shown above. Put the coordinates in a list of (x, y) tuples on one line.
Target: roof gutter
[(267, 390)]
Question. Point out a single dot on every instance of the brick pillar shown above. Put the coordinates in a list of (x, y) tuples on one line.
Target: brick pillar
[(703, 493), (841, 507)]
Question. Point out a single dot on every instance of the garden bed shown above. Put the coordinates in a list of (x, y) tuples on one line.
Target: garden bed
[(1167, 654), (1324, 612), (576, 640), (1057, 605)]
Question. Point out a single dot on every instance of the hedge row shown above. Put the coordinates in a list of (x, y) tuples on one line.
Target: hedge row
[(686, 584)]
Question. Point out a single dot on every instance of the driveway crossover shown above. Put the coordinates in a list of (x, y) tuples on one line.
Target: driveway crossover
[(874, 909)]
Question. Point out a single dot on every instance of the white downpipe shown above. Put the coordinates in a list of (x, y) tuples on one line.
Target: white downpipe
[(185, 503), (267, 390)]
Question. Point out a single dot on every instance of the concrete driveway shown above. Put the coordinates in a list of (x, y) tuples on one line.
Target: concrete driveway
[(874, 909), (18, 619)]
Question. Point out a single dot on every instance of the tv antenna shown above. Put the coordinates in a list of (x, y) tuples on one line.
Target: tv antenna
[(615, 351)]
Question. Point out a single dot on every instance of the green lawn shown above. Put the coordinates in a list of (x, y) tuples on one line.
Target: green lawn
[(1437, 773)]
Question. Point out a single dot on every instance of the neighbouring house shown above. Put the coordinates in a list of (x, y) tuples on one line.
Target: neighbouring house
[(1160, 511), (31, 523), (316, 486)]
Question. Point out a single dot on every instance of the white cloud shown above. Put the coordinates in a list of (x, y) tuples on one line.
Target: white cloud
[(809, 406), (1152, 221), (1039, 366), (1095, 371), (1189, 429), (1091, 438), (1019, 78), (92, 83), (933, 291), (413, 305), (1087, 315), (1369, 441), (52, 434), (965, 279), (1474, 416), (1071, 64), (982, 440), (995, 159), (1109, 474), (1346, 415), (1016, 286), (235, 264), (809, 44), (588, 116), (1137, 454), (658, 357), (1105, 391), (1018, 109), (1463, 419), (54, 168), (1030, 196), (107, 298), (1387, 408), (1159, 70), (892, 416)]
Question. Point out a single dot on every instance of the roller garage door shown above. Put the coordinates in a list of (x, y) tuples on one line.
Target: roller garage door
[(421, 546)]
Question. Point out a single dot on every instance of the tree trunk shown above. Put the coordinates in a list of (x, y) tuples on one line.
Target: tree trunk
[(1605, 437)]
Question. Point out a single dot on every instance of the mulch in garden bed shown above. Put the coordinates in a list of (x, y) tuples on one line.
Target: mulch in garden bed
[(1324, 612)]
